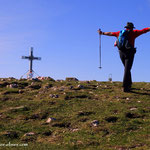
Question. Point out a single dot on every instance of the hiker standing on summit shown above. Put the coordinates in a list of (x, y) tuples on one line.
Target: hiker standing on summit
[(125, 43)]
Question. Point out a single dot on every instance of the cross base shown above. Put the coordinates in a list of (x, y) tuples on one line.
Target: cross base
[(29, 74)]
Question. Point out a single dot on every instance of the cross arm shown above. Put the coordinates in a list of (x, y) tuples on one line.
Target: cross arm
[(25, 57), (37, 58)]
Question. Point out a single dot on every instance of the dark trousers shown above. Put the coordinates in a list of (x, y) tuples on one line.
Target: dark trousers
[(127, 58)]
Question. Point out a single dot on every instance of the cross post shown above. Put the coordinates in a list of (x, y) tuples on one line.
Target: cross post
[(31, 58)]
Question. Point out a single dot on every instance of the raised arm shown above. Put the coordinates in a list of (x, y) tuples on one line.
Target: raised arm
[(140, 32), (105, 33)]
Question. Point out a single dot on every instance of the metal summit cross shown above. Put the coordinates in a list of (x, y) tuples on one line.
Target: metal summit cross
[(30, 58)]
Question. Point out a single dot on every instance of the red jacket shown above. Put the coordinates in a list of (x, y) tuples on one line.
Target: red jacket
[(132, 35)]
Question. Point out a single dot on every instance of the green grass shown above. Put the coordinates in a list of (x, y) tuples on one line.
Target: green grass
[(124, 118)]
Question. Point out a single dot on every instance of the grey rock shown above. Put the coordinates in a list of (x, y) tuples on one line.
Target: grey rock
[(95, 123), (29, 134), (3, 79), (80, 86), (49, 120), (54, 88), (71, 79), (133, 108), (46, 78), (12, 86), (74, 130), (20, 91), (54, 95), (59, 80)]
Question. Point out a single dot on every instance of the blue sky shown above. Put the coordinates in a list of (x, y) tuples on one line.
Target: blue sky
[(64, 34)]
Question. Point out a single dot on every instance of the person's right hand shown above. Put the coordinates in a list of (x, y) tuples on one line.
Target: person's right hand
[(99, 31)]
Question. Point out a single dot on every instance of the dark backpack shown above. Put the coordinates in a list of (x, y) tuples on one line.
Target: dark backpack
[(123, 40)]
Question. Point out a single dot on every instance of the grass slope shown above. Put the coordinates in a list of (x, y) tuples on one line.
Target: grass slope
[(82, 115)]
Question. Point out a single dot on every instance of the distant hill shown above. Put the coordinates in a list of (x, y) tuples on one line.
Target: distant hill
[(45, 114)]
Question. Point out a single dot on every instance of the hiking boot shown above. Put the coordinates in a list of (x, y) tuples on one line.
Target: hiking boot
[(126, 89), (129, 86)]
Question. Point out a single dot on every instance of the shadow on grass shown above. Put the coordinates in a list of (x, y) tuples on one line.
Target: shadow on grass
[(140, 92)]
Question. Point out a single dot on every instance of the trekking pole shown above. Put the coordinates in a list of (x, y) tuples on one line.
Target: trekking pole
[(100, 59)]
